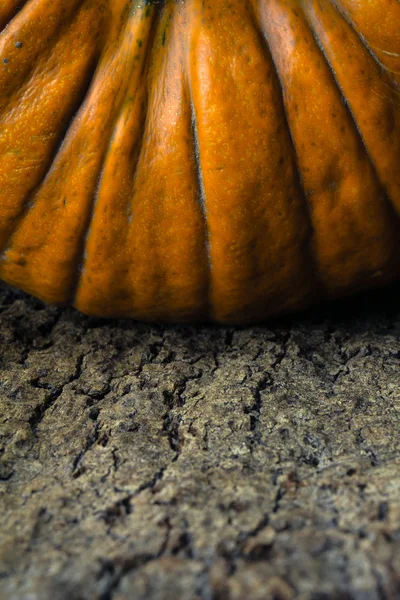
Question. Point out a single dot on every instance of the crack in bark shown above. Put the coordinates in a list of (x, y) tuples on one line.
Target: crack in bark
[(128, 565), (91, 440), (254, 412), (55, 392), (172, 418)]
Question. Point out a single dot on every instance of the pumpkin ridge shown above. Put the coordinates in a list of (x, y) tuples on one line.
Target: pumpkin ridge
[(255, 213), (345, 207), (134, 271), (28, 200), (66, 218), (368, 46), (392, 206), (358, 33), (8, 10), (165, 242), (316, 286), (81, 260), (15, 84)]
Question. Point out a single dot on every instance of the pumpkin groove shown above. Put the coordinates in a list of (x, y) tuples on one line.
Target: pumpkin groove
[(157, 286), (9, 9), (23, 128), (316, 287), (377, 123), (199, 160), (340, 233), (377, 24)]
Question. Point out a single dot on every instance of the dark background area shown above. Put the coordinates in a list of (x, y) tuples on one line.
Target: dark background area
[(200, 463)]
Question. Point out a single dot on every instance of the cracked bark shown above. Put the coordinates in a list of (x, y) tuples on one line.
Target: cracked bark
[(204, 463)]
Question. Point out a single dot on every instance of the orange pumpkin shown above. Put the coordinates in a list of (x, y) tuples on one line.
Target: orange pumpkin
[(199, 159)]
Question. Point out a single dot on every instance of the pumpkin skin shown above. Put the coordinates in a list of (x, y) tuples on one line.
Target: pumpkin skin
[(199, 159)]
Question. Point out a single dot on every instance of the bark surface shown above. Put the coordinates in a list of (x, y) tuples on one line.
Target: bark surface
[(200, 463)]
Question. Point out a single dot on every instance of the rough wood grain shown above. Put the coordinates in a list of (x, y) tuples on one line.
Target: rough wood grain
[(179, 463)]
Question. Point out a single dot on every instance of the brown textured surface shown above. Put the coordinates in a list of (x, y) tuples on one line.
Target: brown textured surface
[(200, 463)]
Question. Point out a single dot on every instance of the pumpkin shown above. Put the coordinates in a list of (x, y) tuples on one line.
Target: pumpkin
[(199, 159)]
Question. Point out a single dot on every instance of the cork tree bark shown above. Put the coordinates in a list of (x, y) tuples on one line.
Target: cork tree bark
[(200, 463)]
